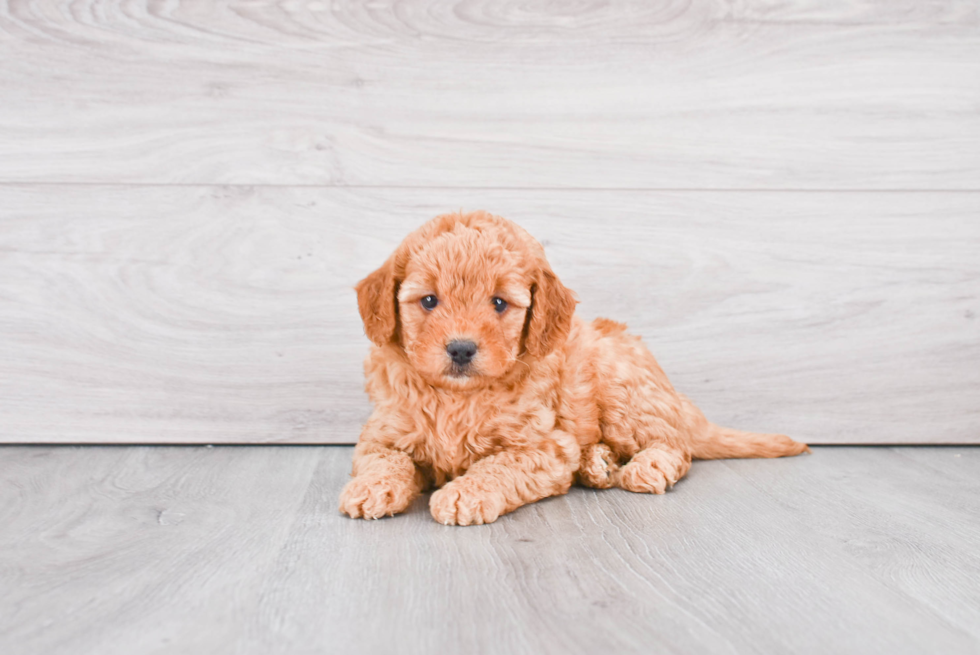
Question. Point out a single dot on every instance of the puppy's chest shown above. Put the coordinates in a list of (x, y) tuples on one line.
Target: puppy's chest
[(448, 434), (451, 433)]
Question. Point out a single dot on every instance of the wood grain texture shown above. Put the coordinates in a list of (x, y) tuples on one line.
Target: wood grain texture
[(226, 314), (119, 550), (705, 94), (165, 277), (241, 550), (898, 547)]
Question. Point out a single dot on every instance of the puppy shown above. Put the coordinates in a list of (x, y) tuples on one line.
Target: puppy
[(486, 386)]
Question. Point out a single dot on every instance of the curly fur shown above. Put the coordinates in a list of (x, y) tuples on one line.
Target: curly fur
[(548, 399)]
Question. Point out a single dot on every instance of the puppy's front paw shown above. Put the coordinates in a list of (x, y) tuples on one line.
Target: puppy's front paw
[(463, 502), (372, 497)]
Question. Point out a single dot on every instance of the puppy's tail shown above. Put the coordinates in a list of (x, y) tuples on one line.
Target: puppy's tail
[(716, 442)]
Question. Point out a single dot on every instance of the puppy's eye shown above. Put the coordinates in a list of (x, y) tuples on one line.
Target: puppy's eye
[(429, 303), (499, 305)]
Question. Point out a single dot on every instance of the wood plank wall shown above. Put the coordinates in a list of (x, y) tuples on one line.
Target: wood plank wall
[(783, 198)]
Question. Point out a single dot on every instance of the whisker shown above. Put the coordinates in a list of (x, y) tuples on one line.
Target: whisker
[(518, 360)]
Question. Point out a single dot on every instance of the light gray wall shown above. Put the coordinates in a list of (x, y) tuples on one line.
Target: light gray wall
[(782, 198)]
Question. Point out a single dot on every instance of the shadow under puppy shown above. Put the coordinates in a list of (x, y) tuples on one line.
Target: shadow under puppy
[(486, 385)]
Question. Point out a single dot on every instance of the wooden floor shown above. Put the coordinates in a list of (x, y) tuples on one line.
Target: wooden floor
[(241, 550)]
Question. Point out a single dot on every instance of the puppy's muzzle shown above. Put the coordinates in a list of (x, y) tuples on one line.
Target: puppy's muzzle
[(461, 352)]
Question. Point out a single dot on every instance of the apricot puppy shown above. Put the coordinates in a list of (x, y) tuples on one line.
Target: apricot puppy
[(486, 386)]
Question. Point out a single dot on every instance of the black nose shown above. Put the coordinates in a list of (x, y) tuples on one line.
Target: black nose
[(461, 351)]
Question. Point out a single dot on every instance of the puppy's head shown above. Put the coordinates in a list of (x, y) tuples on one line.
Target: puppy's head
[(466, 296)]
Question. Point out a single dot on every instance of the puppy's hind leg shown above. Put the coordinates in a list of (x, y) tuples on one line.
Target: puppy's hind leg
[(598, 467), (654, 469)]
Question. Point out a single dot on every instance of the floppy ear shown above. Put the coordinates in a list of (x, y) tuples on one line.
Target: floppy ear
[(552, 307), (377, 303)]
